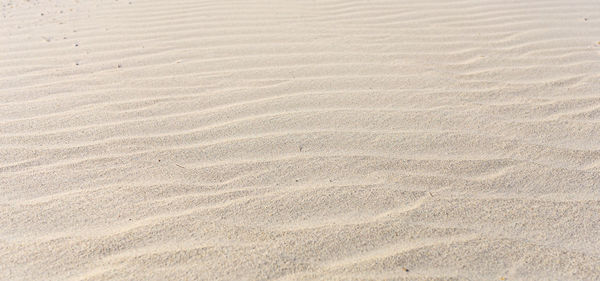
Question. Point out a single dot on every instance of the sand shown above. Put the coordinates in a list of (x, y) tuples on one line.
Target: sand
[(299, 140)]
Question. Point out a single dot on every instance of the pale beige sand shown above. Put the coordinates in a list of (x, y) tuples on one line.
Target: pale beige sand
[(299, 140)]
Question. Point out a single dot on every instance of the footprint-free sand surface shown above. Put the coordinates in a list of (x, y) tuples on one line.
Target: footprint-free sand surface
[(299, 140)]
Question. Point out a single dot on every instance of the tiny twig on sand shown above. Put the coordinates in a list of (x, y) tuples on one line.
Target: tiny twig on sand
[(179, 166)]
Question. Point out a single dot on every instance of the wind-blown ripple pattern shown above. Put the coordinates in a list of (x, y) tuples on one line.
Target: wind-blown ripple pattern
[(300, 140)]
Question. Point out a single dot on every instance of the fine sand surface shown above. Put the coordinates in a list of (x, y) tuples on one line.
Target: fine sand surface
[(299, 140)]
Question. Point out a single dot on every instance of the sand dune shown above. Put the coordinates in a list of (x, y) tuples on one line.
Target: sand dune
[(300, 140)]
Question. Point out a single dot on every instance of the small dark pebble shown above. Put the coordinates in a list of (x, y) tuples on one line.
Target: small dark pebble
[(42, 14), (76, 45), (119, 66)]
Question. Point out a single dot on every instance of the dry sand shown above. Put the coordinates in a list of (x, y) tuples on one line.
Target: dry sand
[(299, 140)]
